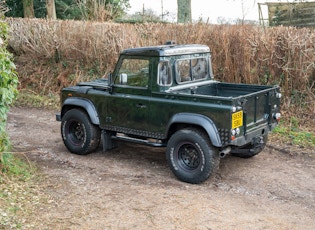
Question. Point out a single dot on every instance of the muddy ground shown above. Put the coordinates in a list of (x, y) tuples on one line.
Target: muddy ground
[(131, 187)]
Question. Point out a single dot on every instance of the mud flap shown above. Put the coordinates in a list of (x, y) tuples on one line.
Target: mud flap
[(107, 141)]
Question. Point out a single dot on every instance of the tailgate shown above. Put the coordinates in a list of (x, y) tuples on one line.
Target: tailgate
[(260, 108)]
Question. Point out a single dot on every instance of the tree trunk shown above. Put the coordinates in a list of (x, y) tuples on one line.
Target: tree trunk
[(28, 8), (51, 9), (183, 11)]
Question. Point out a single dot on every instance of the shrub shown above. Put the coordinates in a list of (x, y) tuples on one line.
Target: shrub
[(8, 85)]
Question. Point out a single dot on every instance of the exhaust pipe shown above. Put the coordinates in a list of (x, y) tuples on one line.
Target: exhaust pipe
[(224, 152)]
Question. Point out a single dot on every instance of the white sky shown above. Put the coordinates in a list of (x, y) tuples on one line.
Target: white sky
[(206, 9)]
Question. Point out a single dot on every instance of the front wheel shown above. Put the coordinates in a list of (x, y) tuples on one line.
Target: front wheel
[(191, 156), (79, 135)]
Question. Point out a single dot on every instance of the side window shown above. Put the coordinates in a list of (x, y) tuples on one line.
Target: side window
[(183, 71), (188, 70), (164, 74), (199, 68), (133, 72)]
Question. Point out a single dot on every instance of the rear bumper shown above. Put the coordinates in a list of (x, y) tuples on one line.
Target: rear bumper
[(251, 135)]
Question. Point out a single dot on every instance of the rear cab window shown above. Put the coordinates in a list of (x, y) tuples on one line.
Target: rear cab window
[(191, 70)]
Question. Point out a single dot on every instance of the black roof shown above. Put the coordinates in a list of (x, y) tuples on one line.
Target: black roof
[(167, 50)]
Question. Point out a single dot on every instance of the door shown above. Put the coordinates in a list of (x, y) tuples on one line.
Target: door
[(129, 103)]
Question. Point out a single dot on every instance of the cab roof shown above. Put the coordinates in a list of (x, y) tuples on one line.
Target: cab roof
[(167, 50)]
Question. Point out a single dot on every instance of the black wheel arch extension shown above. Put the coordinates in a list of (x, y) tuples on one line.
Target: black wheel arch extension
[(196, 120), (85, 104)]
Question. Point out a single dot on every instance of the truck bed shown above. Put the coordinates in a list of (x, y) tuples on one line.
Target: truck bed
[(225, 90), (255, 100)]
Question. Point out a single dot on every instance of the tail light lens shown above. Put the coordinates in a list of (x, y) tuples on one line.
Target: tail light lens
[(277, 116)]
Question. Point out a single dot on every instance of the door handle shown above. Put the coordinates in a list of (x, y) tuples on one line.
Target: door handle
[(141, 106)]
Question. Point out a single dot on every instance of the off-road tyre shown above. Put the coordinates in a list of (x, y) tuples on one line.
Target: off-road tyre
[(191, 156), (79, 135), (250, 150)]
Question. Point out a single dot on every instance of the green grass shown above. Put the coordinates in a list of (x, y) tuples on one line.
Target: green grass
[(16, 188), (13, 166), (19, 191), (290, 131), (35, 100)]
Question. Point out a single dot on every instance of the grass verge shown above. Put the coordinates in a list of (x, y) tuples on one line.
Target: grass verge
[(19, 193), (295, 131), (31, 99)]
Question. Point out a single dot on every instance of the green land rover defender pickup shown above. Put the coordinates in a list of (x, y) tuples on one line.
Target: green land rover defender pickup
[(166, 96)]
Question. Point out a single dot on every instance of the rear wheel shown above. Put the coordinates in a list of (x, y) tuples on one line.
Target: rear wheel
[(79, 135), (191, 156)]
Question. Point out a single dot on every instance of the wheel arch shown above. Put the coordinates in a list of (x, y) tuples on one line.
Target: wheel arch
[(182, 120), (85, 104)]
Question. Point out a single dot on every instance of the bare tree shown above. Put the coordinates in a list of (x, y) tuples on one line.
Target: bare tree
[(51, 9), (28, 8)]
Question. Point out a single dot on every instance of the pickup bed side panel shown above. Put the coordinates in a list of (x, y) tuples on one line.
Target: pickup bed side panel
[(167, 109)]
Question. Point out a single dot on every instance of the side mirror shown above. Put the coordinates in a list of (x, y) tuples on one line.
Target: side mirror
[(123, 78)]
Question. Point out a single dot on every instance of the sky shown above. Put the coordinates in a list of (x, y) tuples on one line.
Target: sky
[(207, 10)]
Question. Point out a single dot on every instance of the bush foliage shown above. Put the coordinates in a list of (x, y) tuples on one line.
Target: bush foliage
[(8, 85), (81, 50)]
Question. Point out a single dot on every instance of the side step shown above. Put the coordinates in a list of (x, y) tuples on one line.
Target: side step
[(139, 141)]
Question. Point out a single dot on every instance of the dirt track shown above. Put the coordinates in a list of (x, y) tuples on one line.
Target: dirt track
[(131, 187)]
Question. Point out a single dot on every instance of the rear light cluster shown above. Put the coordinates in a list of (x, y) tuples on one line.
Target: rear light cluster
[(235, 132), (277, 116)]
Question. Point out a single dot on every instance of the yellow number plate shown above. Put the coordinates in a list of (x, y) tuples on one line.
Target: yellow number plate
[(237, 119)]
